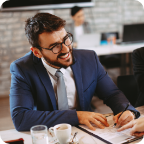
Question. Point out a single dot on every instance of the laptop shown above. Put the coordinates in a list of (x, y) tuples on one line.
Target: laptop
[(133, 33), (88, 40)]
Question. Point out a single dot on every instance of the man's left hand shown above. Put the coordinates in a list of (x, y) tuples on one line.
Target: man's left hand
[(125, 118)]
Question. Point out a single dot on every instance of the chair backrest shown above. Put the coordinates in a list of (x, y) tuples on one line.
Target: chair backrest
[(111, 61), (127, 84)]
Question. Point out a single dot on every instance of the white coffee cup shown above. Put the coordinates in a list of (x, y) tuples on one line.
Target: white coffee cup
[(62, 132)]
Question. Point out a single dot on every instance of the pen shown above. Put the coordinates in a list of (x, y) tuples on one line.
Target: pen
[(122, 113)]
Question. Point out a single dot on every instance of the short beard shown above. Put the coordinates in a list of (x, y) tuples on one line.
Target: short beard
[(57, 64)]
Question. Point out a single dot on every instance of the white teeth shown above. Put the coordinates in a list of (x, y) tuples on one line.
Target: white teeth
[(64, 56)]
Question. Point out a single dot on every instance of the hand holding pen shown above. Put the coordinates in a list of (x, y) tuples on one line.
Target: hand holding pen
[(124, 117)]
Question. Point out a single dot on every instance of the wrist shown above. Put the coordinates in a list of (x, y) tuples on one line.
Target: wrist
[(134, 114)]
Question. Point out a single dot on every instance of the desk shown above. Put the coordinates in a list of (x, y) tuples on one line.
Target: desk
[(117, 49), (83, 137)]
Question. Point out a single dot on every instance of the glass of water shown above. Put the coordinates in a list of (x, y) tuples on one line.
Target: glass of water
[(39, 134)]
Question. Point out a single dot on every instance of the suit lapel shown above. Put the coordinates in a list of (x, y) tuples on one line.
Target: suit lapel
[(48, 86), (43, 75), (78, 81)]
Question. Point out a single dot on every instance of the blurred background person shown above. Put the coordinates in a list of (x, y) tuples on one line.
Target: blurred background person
[(138, 69), (79, 26)]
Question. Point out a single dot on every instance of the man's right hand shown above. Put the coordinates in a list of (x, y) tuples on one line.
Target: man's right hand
[(87, 117)]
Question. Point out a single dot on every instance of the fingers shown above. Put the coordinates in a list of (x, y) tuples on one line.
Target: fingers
[(97, 123), (129, 125), (94, 121), (87, 117), (126, 117), (138, 134), (125, 121), (97, 119), (101, 119), (102, 116), (133, 130), (116, 117), (88, 124)]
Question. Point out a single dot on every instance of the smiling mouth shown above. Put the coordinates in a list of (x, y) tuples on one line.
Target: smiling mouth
[(64, 57)]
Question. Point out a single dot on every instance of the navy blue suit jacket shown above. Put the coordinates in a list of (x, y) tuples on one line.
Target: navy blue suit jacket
[(32, 98)]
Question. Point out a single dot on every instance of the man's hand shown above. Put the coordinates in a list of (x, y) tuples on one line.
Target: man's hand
[(96, 118), (136, 125), (125, 118)]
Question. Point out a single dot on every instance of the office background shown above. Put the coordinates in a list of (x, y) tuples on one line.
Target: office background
[(105, 16)]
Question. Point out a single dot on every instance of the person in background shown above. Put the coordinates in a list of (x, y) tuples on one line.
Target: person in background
[(79, 26), (138, 69), (54, 83)]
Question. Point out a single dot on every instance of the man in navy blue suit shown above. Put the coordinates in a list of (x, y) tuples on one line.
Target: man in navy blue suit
[(34, 98)]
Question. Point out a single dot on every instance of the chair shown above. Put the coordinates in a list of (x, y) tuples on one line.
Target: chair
[(111, 61), (127, 84)]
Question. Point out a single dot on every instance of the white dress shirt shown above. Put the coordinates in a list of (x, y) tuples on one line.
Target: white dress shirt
[(69, 83), (78, 31)]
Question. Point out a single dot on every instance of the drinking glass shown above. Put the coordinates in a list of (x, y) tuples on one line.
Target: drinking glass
[(39, 134)]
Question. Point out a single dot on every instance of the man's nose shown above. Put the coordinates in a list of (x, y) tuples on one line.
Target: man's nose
[(65, 48)]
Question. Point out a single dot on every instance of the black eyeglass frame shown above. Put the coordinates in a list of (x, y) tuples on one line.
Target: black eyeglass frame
[(51, 49)]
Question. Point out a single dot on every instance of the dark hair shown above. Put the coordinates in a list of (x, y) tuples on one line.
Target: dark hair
[(75, 9), (41, 22)]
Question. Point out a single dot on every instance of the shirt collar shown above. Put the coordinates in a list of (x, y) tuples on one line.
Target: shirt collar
[(51, 69)]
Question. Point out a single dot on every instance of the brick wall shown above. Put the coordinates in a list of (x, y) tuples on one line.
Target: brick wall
[(106, 16), (13, 44)]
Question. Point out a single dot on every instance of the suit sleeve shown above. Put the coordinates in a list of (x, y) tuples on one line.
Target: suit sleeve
[(22, 106), (109, 92)]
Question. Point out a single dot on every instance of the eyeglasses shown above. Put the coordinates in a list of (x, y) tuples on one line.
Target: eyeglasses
[(68, 39)]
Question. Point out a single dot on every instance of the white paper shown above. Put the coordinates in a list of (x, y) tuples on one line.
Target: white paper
[(110, 134)]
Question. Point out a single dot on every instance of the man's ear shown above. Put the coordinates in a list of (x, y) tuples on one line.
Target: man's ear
[(36, 52)]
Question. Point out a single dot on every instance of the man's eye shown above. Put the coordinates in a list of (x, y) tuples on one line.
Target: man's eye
[(52, 46), (57, 46)]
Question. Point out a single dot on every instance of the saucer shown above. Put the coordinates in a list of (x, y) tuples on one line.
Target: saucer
[(54, 140)]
